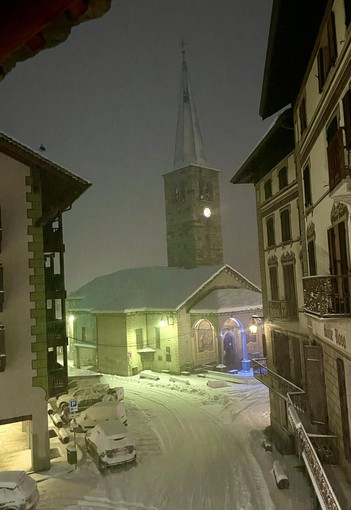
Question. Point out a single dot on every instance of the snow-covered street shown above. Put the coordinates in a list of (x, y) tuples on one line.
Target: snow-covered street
[(198, 449)]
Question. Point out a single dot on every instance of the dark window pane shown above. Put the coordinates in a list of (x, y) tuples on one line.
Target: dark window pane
[(270, 232), (268, 189), (307, 186), (283, 178), (285, 225)]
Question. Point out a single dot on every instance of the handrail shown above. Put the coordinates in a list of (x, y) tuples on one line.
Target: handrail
[(319, 479)]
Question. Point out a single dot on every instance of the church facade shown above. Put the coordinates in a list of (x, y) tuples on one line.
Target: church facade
[(196, 311)]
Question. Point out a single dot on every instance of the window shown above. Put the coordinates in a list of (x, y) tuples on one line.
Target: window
[(1, 287), (346, 102), (2, 349), (270, 231), (168, 354), (158, 338), (0, 231), (273, 278), (347, 5), (267, 189), (344, 408), (327, 53), (283, 177), (139, 338), (307, 186), (289, 282), (83, 334), (285, 225), (302, 116), (311, 248)]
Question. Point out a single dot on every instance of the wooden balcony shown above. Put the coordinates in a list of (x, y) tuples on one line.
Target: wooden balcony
[(57, 380), (54, 285), (53, 239), (56, 333), (338, 159), (327, 296), (282, 310)]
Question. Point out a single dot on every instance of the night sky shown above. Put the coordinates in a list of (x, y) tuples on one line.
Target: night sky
[(104, 104)]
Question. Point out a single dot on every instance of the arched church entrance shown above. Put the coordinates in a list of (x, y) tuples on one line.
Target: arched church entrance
[(205, 348), (232, 344)]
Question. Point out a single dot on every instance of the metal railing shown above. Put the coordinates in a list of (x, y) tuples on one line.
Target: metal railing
[(313, 448), (326, 296), (282, 309)]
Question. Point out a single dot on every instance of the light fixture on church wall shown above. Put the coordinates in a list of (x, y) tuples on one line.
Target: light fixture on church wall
[(207, 212)]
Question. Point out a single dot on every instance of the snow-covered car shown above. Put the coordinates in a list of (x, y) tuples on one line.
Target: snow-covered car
[(86, 397), (100, 412), (18, 491), (109, 444)]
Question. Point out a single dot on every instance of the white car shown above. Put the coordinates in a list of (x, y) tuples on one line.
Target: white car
[(86, 397), (18, 491), (109, 444), (100, 412)]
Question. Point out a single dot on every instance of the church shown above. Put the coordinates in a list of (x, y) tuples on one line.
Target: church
[(194, 313)]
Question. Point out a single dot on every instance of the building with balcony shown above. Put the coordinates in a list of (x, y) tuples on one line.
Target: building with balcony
[(307, 71), (33, 340)]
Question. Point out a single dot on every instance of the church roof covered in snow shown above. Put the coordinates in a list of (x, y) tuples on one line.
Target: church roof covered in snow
[(159, 288)]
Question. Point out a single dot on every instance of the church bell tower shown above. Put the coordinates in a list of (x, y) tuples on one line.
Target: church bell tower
[(192, 196)]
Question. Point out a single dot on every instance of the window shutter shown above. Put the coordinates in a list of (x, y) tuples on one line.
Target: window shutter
[(332, 47), (315, 384), (344, 408), (1, 287), (346, 102), (2, 349), (321, 76), (307, 186)]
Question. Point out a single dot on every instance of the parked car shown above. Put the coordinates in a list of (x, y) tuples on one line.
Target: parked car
[(109, 444), (100, 412), (86, 397), (18, 491)]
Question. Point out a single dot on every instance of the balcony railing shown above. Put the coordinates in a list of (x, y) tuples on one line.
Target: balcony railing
[(327, 296), (56, 333), (283, 310), (58, 381), (313, 448), (338, 159)]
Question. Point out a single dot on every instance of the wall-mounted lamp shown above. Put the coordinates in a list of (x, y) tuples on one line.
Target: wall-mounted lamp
[(254, 325), (162, 322)]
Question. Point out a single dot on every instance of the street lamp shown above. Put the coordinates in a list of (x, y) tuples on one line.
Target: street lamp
[(253, 326)]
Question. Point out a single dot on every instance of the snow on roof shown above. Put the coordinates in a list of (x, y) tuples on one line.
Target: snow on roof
[(230, 299), (158, 288)]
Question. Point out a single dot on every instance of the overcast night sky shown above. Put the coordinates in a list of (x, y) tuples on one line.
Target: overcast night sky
[(104, 104)]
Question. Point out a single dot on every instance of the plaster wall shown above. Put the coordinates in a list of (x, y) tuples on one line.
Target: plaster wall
[(18, 397)]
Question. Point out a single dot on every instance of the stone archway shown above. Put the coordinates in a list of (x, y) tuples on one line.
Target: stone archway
[(205, 347)]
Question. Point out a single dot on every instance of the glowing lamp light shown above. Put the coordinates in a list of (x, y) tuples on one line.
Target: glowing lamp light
[(71, 318), (162, 322), (253, 328)]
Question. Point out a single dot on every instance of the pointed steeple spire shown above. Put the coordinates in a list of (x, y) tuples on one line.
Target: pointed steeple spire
[(189, 147)]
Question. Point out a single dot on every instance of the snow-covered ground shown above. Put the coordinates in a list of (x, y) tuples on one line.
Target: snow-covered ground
[(199, 448)]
